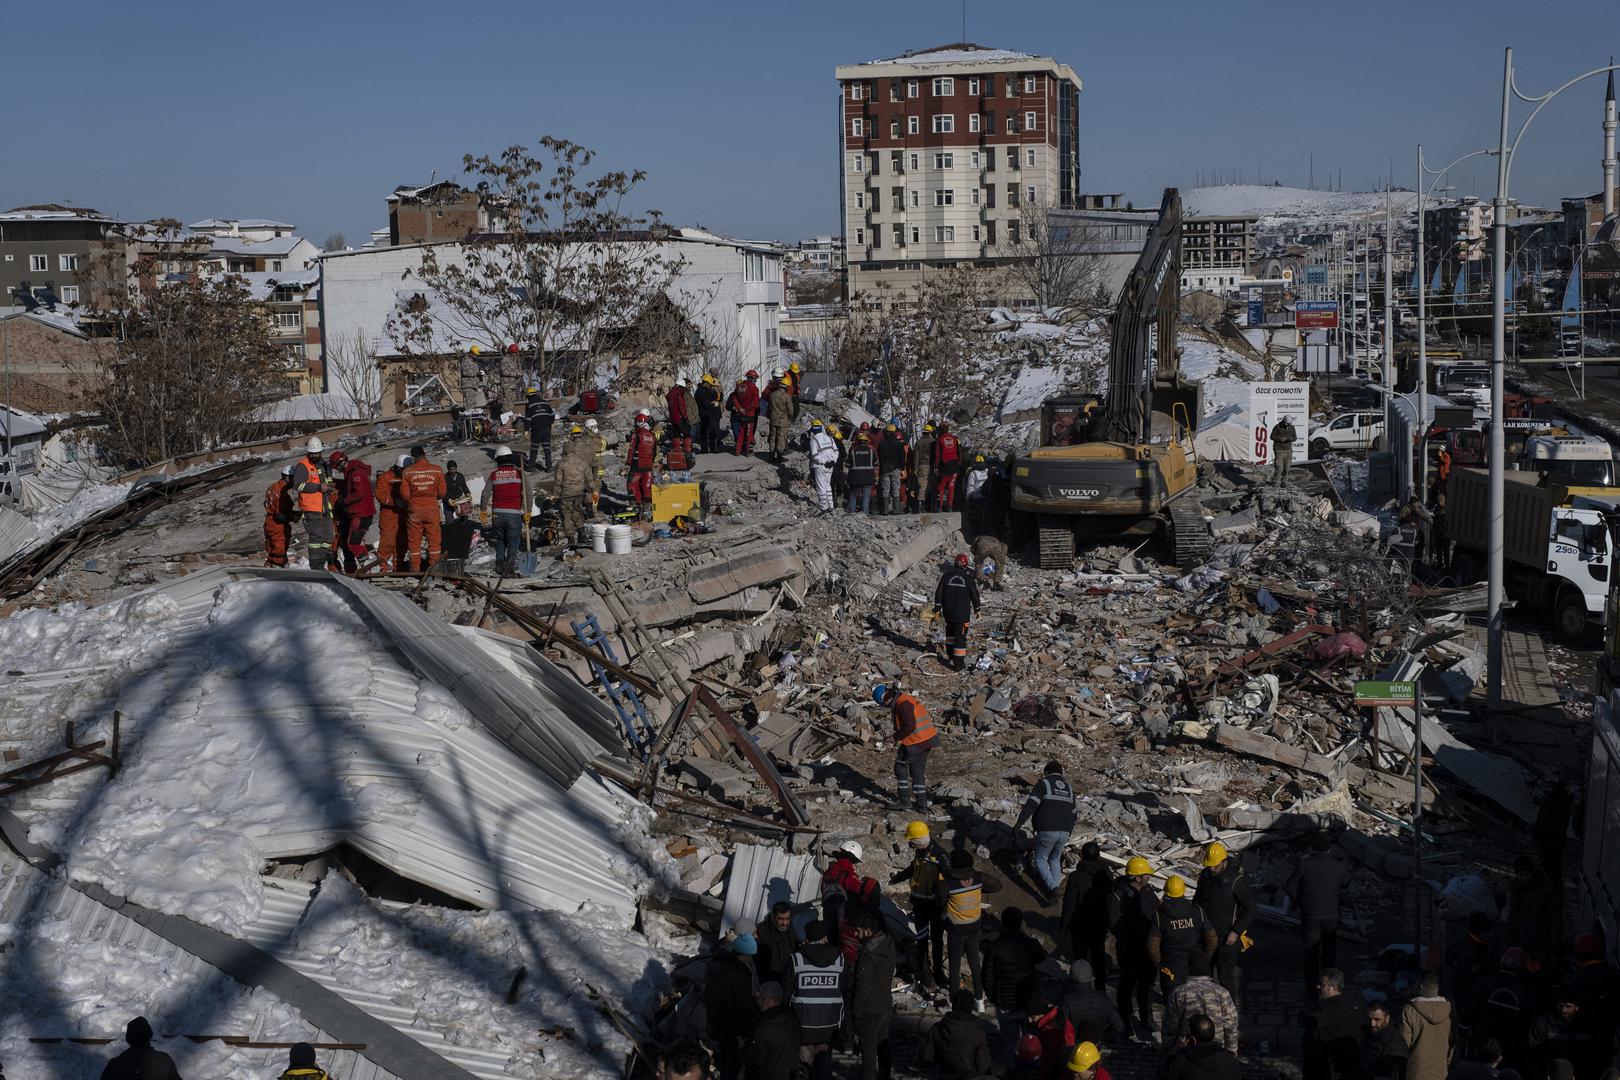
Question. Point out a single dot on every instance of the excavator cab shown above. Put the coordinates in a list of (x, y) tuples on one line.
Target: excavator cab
[(1066, 420)]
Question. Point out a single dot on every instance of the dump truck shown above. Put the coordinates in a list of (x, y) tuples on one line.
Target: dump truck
[(1556, 559), (1120, 466)]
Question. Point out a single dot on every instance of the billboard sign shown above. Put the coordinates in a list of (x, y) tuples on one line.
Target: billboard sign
[(1316, 314), (1269, 402), (1316, 275)]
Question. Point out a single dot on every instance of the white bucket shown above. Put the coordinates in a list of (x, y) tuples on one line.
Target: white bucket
[(618, 539), (599, 537)]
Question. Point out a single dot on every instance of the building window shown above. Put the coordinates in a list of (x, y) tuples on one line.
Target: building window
[(753, 266), (944, 124), (39, 264), (1012, 124), (860, 236), (944, 234), (770, 337), (857, 163), (1030, 84), (916, 235), (1029, 157), (990, 121), (974, 159), (1032, 193), (911, 88), (294, 352), (944, 197), (990, 158), (1012, 232), (915, 158), (944, 87), (67, 263), (975, 234), (990, 232), (973, 86), (1030, 123), (1012, 86), (855, 91), (944, 161), (275, 264), (913, 125), (1012, 194), (894, 128), (914, 198), (289, 320), (894, 90), (973, 121), (975, 196), (70, 294), (990, 198), (860, 200), (894, 162), (855, 126), (899, 236)]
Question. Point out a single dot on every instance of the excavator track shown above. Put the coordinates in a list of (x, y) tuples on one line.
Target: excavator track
[(1057, 545), (1190, 541)]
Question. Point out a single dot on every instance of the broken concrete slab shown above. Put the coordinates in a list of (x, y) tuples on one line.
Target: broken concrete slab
[(716, 778)]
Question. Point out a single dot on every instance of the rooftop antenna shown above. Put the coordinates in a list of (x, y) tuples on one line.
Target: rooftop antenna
[(964, 20)]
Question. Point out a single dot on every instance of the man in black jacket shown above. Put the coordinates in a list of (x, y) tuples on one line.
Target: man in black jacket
[(1333, 1031), (778, 941), (1230, 906), (1200, 1056), (1051, 805), (1316, 885), (1088, 1008), (891, 455), (772, 1052), (728, 998), (924, 876), (1085, 910), (956, 1045), (817, 995), (872, 1003), (1132, 910), (957, 597), (541, 415), (1009, 963), (140, 1061)]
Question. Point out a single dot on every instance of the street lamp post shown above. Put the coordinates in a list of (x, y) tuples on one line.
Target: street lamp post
[(1504, 168)]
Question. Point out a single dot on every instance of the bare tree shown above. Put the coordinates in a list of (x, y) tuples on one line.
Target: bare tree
[(563, 262), (335, 241), (352, 373), (1058, 260), (187, 363)]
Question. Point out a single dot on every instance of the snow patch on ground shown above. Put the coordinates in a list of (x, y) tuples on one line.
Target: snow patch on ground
[(1280, 206)]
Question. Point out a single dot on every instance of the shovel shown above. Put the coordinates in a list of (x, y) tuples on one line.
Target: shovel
[(527, 562)]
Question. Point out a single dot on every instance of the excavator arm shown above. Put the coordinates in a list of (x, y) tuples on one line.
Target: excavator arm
[(1142, 351)]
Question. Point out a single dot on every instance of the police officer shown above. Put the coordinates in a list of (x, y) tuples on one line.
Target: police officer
[(815, 990), (1179, 930), (1052, 806)]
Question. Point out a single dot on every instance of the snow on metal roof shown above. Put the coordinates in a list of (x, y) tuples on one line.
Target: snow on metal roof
[(241, 245), (61, 319), (53, 212), (16, 424), (963, 53), (241, 223), (261, 284)]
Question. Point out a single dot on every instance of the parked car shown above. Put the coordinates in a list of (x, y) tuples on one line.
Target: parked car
[(1348, 431)]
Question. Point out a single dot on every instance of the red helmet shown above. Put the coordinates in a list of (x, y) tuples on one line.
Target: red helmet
[(1029, 1047), (338, 458), (962, 561), (1513, 959), (752, 374)]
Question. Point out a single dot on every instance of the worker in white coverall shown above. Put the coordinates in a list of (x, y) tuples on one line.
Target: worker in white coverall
[(823, 456)]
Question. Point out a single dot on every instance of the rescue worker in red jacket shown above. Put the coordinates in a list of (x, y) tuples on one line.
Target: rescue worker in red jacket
[(391, 518), (914, 737), (506, 492), (278, 515), (682, 417), (744, 406), (947, 463), (640, 459), (357, 505), (423, 486), (312, 500)]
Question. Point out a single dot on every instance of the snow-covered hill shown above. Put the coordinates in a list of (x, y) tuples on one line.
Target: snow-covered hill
[(1278, 206)]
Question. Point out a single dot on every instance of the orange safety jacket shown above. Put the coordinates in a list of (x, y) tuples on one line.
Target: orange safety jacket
[(922, 731), (311, 489), (423, 482)]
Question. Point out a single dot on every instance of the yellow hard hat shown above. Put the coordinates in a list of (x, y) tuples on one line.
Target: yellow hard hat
[(1214, 853), (794, 367), (1137, 867), (890, 427), (476, 351), (1175, 888), (928, 427), (709, 378), (815, 423), (1085, 1056), (917, 830), (576, 430)]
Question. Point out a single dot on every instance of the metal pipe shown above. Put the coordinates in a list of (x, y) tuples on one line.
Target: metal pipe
[(1494, 592)]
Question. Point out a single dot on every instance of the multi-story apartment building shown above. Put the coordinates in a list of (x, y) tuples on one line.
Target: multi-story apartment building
[(1457, 231), (51, 243), (1216, 252), (945, 153)]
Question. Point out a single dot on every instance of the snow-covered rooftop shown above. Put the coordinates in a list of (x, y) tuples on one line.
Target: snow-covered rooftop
[(241, 245), (16, 424), (53, 212), (262, 283), (61, 319), (1276, 206), (241, 223), (961, 53)]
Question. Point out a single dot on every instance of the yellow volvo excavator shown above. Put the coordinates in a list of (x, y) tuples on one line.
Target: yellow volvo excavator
[(1120, 466)]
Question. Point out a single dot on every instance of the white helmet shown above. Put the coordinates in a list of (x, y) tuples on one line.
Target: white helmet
[(680, 380), (314, 446), (777, 373), (590, 425), (286, 470), (405, 461), (853, 849), (502, 452)]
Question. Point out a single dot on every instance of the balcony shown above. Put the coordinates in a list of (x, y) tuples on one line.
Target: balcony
[(771, 292)]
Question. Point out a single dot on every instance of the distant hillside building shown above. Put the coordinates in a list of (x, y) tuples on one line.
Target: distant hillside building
[(943, 153), (435, 212), (1216, 251)]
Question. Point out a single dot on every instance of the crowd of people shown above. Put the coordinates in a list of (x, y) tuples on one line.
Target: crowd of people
[(140, 1060)]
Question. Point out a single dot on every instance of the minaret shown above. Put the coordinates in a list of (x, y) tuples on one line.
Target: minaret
[(1608, 149)]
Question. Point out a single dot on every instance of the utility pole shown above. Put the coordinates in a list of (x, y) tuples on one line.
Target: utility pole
[(1389, 319), (1422, 271), (1498, 447)]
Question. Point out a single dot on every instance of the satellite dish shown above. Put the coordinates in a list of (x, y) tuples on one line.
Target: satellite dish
[(1288, 274)]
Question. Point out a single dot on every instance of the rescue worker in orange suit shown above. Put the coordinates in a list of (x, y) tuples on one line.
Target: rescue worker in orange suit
[(744, 406), (914, 737), (391, 518), (957, 596), (683, 417), (278, 515), (312, 499), (947, 463), (1442, 475), (357, 505), (639, 462), (424, 488)]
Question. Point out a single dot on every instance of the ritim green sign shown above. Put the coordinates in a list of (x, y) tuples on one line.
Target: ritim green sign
[(1372, 692)]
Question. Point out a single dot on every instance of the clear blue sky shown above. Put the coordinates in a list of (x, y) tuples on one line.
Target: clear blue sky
[(312, 113)]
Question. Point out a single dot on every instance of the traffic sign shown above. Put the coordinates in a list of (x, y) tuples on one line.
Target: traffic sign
[(1316, 314), (1316, 275), (1375, 692)]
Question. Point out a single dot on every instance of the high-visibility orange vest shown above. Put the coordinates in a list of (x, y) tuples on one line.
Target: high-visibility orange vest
[(312, 492), (925, 727)]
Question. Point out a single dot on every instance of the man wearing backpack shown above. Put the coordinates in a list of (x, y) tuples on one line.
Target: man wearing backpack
[(947, 463)]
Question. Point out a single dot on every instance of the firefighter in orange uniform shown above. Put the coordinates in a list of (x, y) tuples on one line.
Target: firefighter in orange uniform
[(312, 491), (423, 485), (278, 513), (914, 737), (390, 516)]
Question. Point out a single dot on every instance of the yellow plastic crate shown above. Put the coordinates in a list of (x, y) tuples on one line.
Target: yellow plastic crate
[(670, 500)]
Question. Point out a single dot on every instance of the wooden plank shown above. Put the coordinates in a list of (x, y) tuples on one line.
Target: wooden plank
[(1254, 744)]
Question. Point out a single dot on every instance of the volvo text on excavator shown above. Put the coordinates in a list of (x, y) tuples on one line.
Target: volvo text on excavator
[(1122, 465)]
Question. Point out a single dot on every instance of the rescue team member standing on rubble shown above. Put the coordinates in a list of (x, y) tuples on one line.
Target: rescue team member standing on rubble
[(278, 512), (823, 453), (947, 463), (783, 410), (1179, 930), (957, 596), (541, 415), (816, 991), (312, 498), (640, 459), (1230, 905), (391, 508), (964, 889), (358, 505), (596, 443), (891, 452), (708, 407), (1050, 806), (922, 468), (301, 1064), (423, 484), (862, 473), (573, 488), (1132, 911), (1282, 449), (914, 737), (924, 876), (683, 416), (506, 492), (744, 406)]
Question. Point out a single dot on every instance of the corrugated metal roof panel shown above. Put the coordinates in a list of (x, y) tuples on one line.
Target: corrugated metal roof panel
[(759, 877)]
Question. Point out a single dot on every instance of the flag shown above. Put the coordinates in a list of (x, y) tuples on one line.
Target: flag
[(1571, 319), (1459, 290)]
